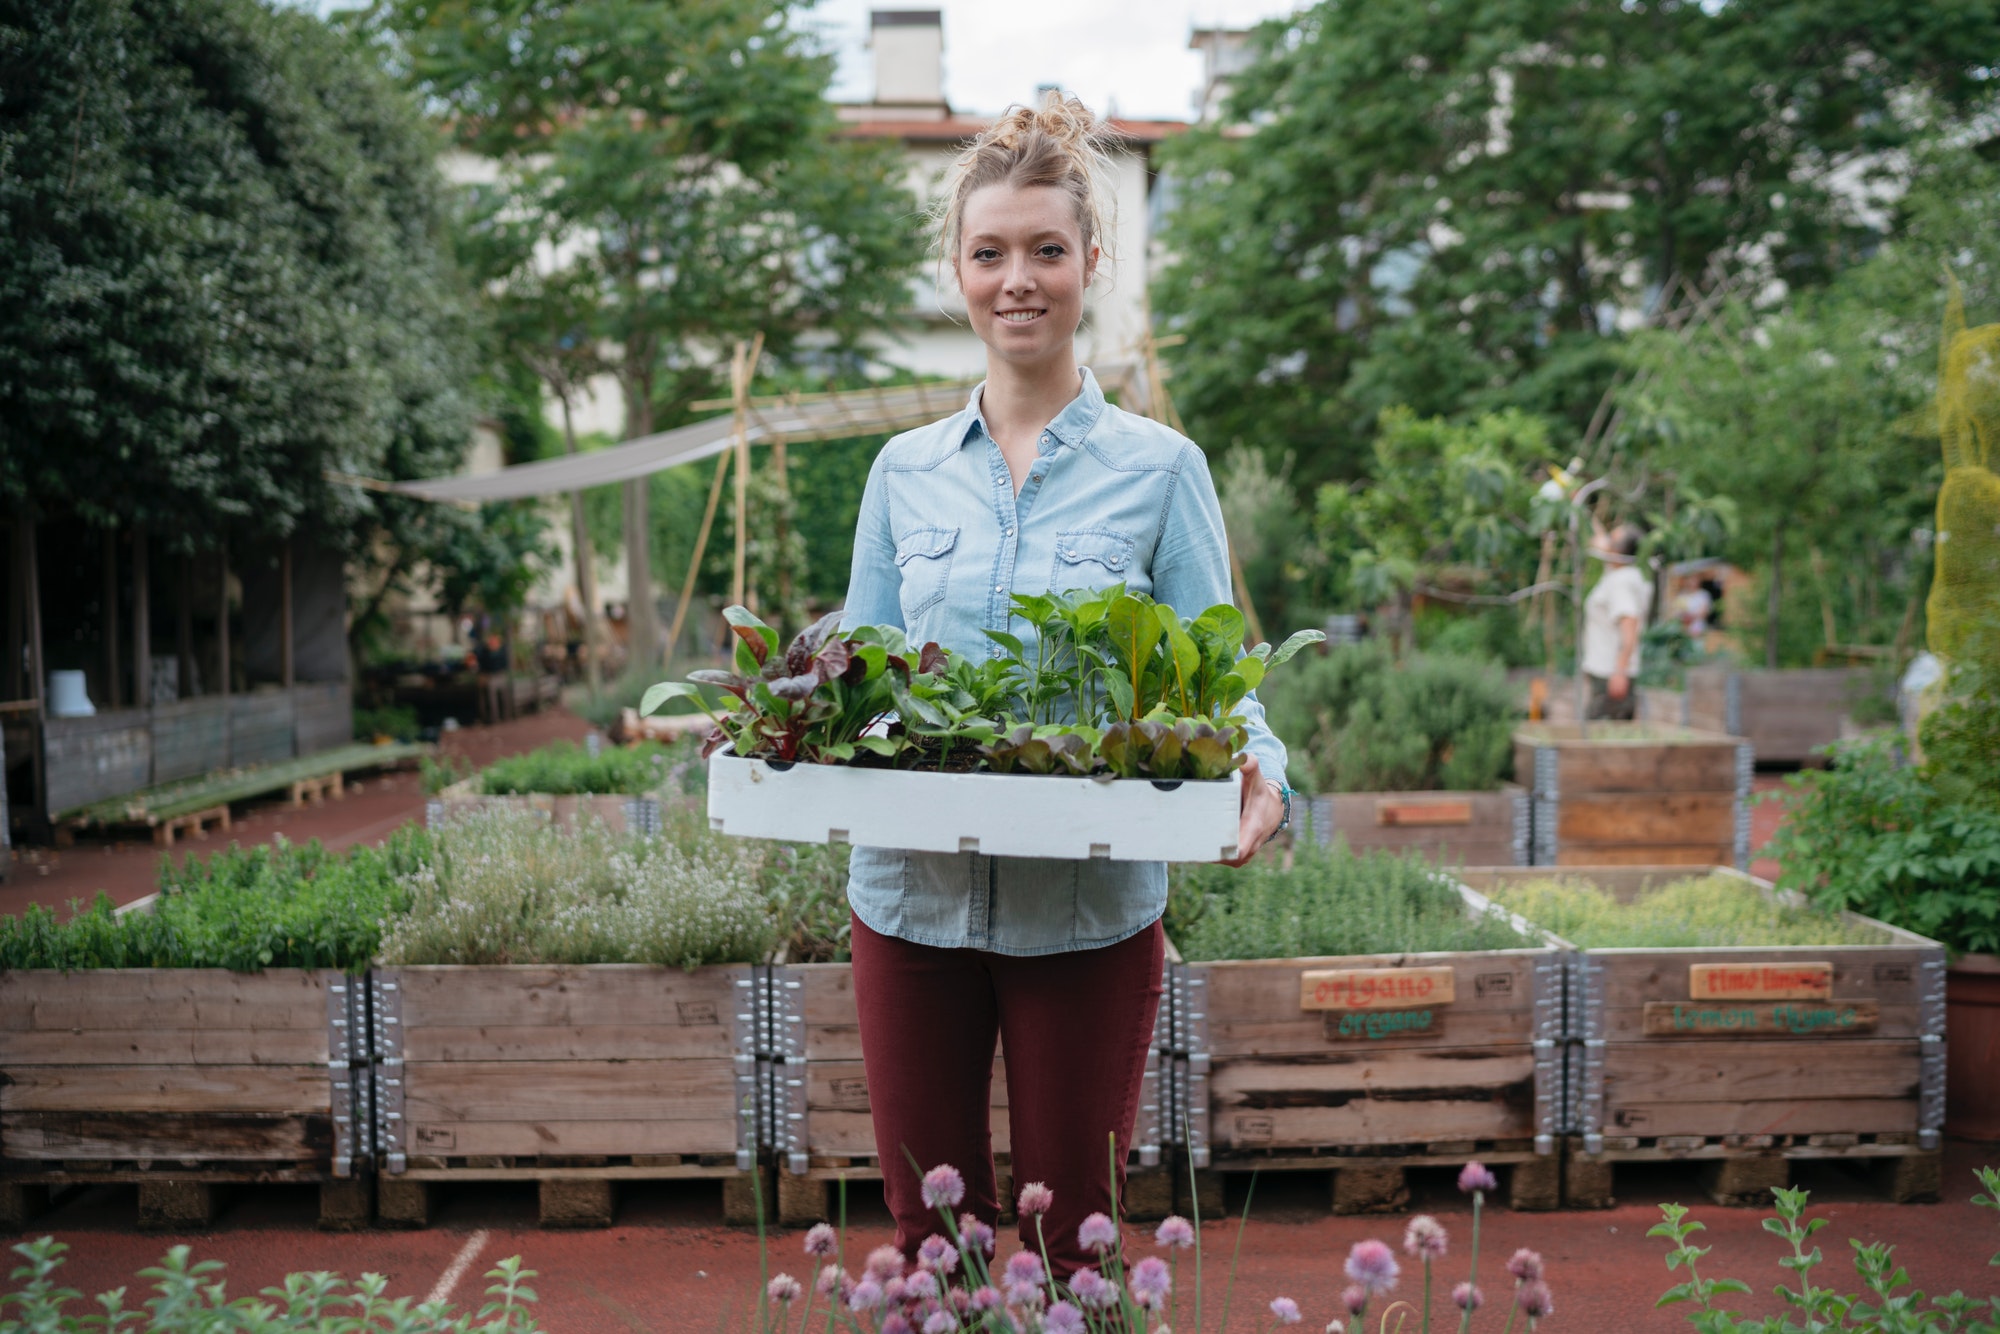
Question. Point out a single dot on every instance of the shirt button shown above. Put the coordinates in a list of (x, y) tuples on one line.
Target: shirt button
[(1000, 588)]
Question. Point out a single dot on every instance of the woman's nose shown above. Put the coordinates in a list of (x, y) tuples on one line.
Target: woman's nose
[(1019, 277)]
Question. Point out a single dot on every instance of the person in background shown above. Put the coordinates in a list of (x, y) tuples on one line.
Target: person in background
[(1613, 616)]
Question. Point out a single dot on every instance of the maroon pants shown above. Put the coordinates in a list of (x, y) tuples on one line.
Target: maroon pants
[(1075, 1027)]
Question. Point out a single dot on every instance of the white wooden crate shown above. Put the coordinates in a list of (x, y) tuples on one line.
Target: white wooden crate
[(1001, 815)]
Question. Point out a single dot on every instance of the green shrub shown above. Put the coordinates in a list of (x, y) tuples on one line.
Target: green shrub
[(508, 887), (566, 768), (1329, 901), (1882, 838), (191, 1299), (1356, 719), (807, 888), (395, 721), (1710, 910), (282, 906)]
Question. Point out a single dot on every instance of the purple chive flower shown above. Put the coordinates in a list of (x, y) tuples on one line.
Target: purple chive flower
[(985, 1297), (1092, 1289), (896, 1323), (884, 1263), (1151, 1281), (1025, 1267), (937, 1254), (1534, 1299), (1373, 1265), (1468, 1297), (1476, 1177), (1176, 1232), (1424, 1238), (821, 1240), (1526, 1266), (1063, 1319), (1335, 1327), (867, 1295), (941, 1322), (961, 1300), (784, 1289), (892, 1291), (943, 1187), (1036, 1199), (973, 1235), (1024, 1294), (1285, 1310), (920, 1286), (832, 1279), (1098, 1233), (1355, 1299)]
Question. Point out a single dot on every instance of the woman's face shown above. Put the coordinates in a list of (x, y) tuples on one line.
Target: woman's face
[(1022, 266)]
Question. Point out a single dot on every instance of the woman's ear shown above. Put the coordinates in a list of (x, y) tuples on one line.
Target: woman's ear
[(1090, 266)]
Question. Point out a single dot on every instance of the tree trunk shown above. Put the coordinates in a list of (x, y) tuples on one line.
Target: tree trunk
[(1776, 598)]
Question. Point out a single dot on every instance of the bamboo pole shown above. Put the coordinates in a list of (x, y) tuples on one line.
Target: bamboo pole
[(586, 570), (742, 367)]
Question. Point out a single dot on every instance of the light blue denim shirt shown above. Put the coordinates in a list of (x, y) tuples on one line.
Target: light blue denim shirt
[(942, 543)]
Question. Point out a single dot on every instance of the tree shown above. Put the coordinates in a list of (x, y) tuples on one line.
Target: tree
[(223, 273), (683, 160), (1450, 213)]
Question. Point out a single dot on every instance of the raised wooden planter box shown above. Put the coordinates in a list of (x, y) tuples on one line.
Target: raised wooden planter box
[(181, 1079), (1000, 815), (823, 1123), (1787, 714), (1643, 794), (1459, 828), (1746, 1058), (616, 811), (1367, 1064), (1656, 704), (571, 1076)]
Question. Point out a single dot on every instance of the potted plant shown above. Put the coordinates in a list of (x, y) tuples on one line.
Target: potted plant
[(1124, 711)]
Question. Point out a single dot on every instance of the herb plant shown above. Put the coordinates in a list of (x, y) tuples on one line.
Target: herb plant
[(567, 768), (283, 906), (1697, 911), (1329, 901)]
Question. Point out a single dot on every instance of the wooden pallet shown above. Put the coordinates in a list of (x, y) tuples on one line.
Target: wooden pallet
[(1745, 1169), (1372, 1182), (194, 822), (573, 1192), (316, 790), (178, 1198)]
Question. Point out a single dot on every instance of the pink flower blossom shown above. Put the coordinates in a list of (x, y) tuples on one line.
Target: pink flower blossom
[(1175, 1231), (1468, 1297), (1036, 1199), (867, 1295), (1285, 1310), (1424, 1238), (1063, 1319), (1373, 1265), (1526, 1265), (1091, 1289), (985, 1297), (896, 1323), (1025, 1267), (1335, 1327), (1098, 1233), (1024, 1294), (1355, 1299), (943, 1187), (884, 1263), (937, 1254), (1150, 1282), (961, 1300), (821, 1240), (784, 1289), (1476, 1177), (974, 1235), (1534, 1299), (920, 1286), (941, 1322), (892, 1291)]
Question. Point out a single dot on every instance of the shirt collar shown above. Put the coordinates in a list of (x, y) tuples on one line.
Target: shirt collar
[(1072, 426)]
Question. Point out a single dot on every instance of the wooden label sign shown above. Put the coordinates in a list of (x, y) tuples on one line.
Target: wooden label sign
[(1374, 988), (1798, 1019), (1422, 813), (1760, 981), (1382, 1025)]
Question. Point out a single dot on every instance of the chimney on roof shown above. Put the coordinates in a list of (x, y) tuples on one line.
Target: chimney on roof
[(909, 57)]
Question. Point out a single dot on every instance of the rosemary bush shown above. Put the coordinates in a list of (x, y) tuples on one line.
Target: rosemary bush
[(508, 887), (566, 769), (282, 906), (1329, 901), (1711, 910)]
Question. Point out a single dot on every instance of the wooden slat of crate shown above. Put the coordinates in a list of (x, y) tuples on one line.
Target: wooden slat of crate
[(1759, 1070), (1792, 1116), (121, 999), (1397, 821), (615, 1090), (1889, 973), (1627, 1024), (211, 1137), (444, 1003), (1588, 819), (1253, 1005), (1370, 1121), (1702, 855), (571, 1138), (166, 1046), (1619, 757), (164, 1088), (833, 1029)]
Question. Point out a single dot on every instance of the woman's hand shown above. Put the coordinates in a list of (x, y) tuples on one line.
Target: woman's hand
[(1263, 812)]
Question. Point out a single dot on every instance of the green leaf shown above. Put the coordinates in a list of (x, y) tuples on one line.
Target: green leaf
[(880, 745), (1294, 644), (657, 695), (1012, 643)]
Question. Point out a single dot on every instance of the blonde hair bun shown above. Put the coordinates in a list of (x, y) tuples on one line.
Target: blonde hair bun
[(1060, 144)]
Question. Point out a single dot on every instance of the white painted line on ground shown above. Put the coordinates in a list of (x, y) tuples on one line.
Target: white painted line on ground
[(459, 1264)]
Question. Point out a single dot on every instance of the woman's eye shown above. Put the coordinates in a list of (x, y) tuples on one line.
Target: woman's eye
[(986, 254), (1050, 251)]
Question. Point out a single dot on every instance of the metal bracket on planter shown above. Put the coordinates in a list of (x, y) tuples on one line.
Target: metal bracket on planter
[(1146, 1136), (433, 812), (1746, 771), (1321, 819), (1522, 840), (1550, 972), (785, 1046), (642, 815), (1189, 1099), (1192, 1098), (748, 1023), (1547, 807), (385, 992), (1931, 1051), (1732, 704), (342, 1072), (1587, 1046)]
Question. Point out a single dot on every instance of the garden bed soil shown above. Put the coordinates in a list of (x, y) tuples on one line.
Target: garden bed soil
[(1371, 1063), (1787, 1051), (999, 815), (180, 1079), (1455, 828), (1642, 794), (1787, 714)]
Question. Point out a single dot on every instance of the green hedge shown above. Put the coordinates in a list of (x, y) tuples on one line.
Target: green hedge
[(566, 769)]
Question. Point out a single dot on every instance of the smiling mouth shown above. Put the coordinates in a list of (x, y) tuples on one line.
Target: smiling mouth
[(1019, 316)]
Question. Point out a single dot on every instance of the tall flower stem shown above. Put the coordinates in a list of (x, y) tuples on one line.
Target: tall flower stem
[(1427, 1295), (1472, 1275), (1048, 1270), (1117, 1257), (1242, 1226), (1194, 1207)]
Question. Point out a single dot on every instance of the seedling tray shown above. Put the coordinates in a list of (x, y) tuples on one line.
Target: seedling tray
[(1001, 815)]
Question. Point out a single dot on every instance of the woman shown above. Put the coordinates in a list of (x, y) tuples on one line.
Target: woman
[(1037, 485)]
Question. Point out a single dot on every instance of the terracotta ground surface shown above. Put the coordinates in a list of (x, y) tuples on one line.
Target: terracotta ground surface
[(669, 1264)]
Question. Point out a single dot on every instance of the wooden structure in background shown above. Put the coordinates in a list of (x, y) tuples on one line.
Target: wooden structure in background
[(1457, 828), (1787, 714), (1644, 794)]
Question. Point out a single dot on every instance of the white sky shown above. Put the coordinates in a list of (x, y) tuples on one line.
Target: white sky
[(1130, 56)]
